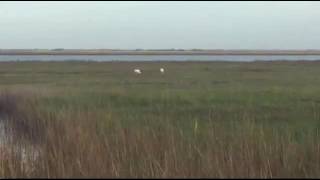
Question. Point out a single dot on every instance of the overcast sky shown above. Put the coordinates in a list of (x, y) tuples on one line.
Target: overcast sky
[(155, 25)]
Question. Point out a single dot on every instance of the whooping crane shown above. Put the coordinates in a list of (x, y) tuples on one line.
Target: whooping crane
[(137, 71), (162, 70)]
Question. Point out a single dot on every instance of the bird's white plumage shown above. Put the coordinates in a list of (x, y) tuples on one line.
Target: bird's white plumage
[(137, 71)]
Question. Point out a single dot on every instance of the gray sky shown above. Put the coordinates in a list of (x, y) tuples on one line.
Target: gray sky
[(155, 25)]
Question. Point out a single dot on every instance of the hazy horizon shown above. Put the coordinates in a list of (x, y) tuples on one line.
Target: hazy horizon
[(164, 49), (160, 25)]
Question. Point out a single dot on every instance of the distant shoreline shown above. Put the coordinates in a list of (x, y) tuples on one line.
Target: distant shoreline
[(153, 52)]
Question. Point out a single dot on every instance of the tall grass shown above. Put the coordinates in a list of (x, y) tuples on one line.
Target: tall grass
[(72, 143), (219, 120)]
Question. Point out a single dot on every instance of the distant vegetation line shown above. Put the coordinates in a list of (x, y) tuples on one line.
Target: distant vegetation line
[(62, 51)]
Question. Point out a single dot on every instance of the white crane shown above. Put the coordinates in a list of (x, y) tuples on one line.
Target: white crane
[(137, 71), (162, 70)]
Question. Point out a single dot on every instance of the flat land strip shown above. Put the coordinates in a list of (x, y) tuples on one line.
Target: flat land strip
[(153, 52)]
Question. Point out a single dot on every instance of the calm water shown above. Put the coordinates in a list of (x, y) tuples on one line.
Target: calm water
[(246, 58)]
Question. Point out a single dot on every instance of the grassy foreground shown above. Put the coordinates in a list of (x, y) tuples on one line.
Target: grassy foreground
[(199, 119)]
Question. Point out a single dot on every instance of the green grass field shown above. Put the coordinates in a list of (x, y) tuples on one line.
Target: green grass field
[(199, 119)]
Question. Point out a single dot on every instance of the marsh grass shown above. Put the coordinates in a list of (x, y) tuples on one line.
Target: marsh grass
[(177, 125)]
